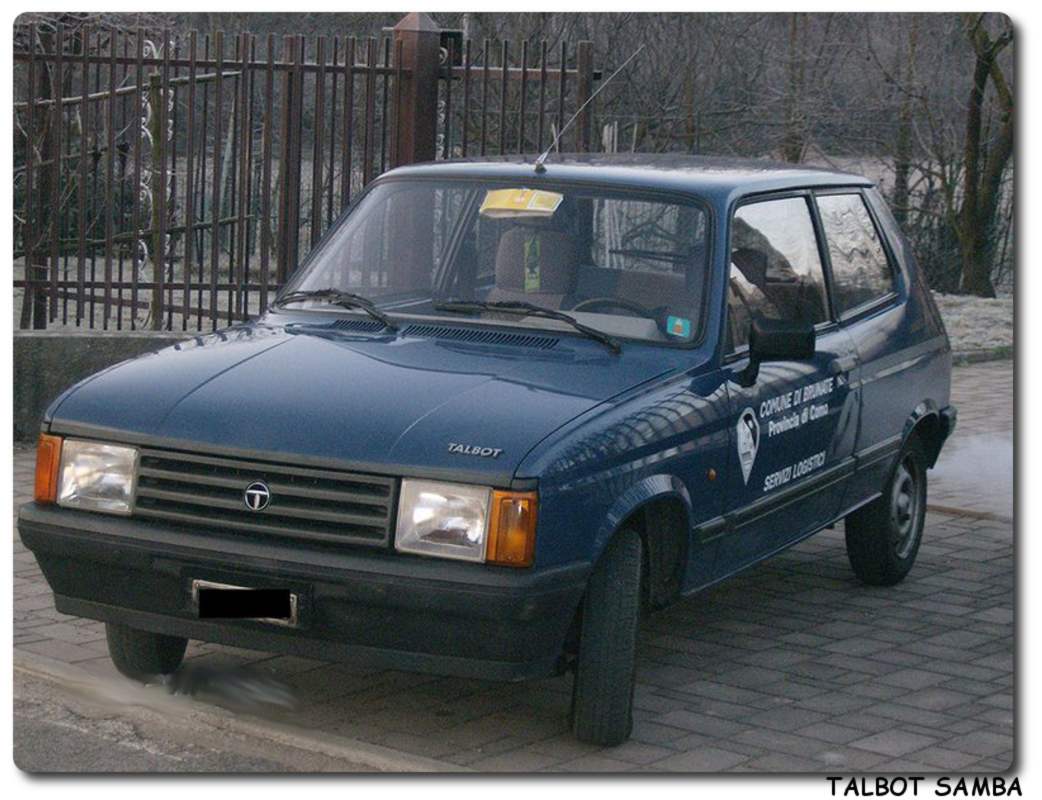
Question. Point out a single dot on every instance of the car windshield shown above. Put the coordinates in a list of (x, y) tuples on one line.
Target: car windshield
[(625, 264)]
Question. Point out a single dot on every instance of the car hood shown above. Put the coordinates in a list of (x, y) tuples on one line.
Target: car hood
[(389, 404)]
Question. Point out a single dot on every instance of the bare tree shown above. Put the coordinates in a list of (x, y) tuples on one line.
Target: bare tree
[(986, 155)]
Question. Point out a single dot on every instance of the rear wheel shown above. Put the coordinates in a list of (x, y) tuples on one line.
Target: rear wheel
[(602, 695), (883, 537), (140, 654)]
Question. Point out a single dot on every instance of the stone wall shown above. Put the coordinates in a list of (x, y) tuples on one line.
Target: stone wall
[(47, 362)]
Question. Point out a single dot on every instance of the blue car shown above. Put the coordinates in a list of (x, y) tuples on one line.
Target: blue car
[(500, 412)]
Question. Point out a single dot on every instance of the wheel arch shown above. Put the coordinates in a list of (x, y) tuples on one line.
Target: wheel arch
[(659, 509), (925, 423)]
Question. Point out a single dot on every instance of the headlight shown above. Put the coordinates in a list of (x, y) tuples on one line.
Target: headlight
[(97, 477), (455, 521), (443, 519)]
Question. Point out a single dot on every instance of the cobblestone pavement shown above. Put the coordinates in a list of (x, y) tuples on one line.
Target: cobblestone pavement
[(792, 666)]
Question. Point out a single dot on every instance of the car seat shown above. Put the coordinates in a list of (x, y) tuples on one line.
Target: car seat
[(535, 264)]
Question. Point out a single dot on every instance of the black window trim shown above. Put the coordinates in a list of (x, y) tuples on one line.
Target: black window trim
[(869, 307), (807, 193)]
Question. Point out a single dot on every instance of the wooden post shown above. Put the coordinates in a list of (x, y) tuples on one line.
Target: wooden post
[(417, 38), (417, 113), (28, 224), (36, 267), (55, 211)]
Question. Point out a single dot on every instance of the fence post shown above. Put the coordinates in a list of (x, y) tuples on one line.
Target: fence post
[(583, 89), (157, 130), (419, 39), (47, 190), (289, 158)]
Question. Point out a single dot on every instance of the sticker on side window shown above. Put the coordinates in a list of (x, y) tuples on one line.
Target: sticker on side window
[(520, 204)]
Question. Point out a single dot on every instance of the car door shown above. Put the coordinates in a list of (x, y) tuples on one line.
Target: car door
[(870, 298), (794, 427)]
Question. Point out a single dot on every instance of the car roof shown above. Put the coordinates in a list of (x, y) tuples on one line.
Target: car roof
[(715, 179)]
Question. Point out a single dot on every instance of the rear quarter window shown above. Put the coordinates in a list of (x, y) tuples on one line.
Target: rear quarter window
[(861, 271)]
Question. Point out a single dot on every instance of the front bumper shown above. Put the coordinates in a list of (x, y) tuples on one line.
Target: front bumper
[(378, 608)]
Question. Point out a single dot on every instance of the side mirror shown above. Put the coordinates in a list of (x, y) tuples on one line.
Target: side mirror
[(777, 340)]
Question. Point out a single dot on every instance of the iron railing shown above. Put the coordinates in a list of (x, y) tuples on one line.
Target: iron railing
[(174, 180)]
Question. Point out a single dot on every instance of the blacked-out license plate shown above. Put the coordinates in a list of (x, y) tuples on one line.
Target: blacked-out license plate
[(225, 601)]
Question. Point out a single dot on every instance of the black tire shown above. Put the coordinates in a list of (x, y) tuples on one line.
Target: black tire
[(140, 654), (883, 537), (602, 695)]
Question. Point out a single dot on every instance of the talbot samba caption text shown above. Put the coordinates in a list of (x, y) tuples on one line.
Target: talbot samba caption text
[(911, 786)]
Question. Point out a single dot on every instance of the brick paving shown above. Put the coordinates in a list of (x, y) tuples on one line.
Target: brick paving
[(791, 667)]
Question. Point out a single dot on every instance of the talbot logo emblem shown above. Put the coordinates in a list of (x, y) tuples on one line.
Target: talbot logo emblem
[(257, 496), (748, 440), (474, 450)]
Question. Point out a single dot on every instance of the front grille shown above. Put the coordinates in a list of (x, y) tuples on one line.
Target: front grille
[(319, 505)]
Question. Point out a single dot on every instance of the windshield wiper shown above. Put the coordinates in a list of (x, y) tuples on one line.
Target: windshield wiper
[(340, 298), (530, 310)]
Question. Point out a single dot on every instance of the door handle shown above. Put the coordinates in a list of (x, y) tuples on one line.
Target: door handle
[(840, 365)]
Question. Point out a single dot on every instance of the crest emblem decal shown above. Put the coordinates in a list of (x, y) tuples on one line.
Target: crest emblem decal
[(748, 441)]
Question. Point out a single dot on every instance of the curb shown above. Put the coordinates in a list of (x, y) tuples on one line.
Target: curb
[(965, 357), (968, 512), (376, 757)]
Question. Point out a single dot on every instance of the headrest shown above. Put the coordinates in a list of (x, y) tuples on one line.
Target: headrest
[(536, 261), (752, 263)]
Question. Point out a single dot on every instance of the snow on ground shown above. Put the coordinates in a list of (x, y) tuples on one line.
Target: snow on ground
[(976, 323)]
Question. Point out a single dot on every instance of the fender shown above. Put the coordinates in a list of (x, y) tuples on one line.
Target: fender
[(653, 487)]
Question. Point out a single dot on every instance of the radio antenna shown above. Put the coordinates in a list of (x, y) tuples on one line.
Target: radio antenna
[(540, 163)]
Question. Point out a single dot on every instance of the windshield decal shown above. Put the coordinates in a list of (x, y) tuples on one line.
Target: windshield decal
[(520, 204), (679, 326)]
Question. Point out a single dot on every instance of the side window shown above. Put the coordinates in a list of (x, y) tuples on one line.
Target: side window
[(776, 268), (860, 270)]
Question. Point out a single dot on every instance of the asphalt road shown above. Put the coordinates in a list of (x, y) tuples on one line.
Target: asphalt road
[(58, 729), (44, 744)]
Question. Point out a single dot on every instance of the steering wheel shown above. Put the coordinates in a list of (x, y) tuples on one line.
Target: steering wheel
[(617, 302)]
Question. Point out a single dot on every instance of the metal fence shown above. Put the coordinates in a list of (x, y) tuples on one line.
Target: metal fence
[(175, 180)]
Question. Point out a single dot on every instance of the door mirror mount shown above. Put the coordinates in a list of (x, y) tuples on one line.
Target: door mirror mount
[(776, 340)]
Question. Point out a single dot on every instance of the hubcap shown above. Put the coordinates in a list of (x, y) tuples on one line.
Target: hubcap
[(905, 507)]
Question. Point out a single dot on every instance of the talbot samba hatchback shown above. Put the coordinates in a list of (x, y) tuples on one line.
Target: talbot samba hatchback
[(499, 413)]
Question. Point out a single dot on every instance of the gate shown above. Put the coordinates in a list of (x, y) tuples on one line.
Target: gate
[(173, 181)]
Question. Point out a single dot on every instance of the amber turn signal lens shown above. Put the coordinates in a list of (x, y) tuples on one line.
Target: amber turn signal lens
[(511, 535), (48, 459)]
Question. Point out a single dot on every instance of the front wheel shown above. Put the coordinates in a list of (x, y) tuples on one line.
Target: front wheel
[(140, 654), (602, 695), (883, 537)]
